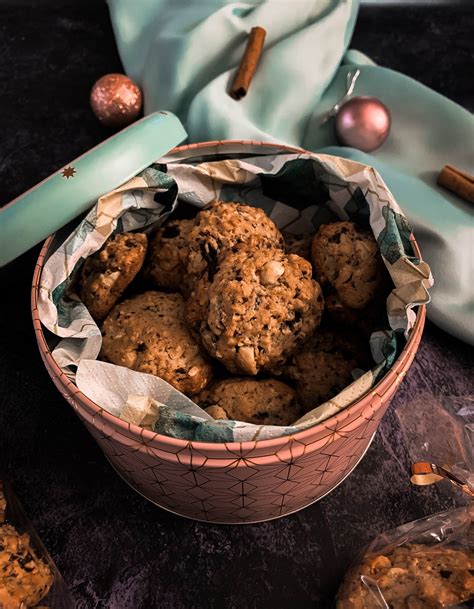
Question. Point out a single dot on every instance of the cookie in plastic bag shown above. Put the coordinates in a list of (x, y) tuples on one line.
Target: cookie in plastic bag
[(426, 564)]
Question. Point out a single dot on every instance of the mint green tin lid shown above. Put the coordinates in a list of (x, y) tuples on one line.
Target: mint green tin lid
[(73, 189)]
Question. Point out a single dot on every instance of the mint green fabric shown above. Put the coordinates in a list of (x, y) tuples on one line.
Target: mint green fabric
[(184, 53)]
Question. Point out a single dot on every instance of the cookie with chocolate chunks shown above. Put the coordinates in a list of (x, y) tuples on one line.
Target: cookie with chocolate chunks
[(166, 267), (25, 579), (148, 333), (221, 227), (107, 273), (261, 402), (324, 365), (257, 309), (347, 259)]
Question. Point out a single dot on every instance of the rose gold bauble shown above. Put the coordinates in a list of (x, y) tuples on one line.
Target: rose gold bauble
[(116, 100), (363, 123)]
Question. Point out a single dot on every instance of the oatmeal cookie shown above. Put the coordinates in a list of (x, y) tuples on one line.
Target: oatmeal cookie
[(148, 333), (412, 577), (324, 365), (166, 267), (107, 273), (347, 258), (221, 227), (262, 402), (259, 307)]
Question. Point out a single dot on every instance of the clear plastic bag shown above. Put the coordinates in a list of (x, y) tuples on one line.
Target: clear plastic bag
[(19, 532), (439, 435), (427, 563)]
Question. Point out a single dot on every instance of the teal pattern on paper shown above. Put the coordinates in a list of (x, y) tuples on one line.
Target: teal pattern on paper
[(395, 236)]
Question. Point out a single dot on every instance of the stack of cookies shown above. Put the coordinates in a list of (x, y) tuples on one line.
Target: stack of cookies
[(232, 313)]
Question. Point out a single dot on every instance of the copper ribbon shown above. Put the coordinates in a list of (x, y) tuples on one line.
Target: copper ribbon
[(424, 473)]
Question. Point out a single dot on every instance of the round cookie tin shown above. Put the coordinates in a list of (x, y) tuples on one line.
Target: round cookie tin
[(238, 482)]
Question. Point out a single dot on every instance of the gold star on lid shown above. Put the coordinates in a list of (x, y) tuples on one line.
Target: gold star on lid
[(68, 172)]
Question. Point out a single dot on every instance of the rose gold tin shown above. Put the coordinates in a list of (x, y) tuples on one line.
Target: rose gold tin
[(233, 483)]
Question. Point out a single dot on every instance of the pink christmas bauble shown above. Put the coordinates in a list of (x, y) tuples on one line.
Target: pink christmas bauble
[(116, 100), (363, 123)]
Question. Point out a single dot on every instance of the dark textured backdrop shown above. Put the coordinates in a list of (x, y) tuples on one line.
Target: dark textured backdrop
[(115, 550)]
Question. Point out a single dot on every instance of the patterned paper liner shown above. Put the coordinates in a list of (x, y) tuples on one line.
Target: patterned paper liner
[(299, 192)]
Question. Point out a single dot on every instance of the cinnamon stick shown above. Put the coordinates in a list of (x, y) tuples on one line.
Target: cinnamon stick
[(249, 63), (457, 181)]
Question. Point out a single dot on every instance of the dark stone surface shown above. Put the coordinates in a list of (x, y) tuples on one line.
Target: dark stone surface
[(115, 550)]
